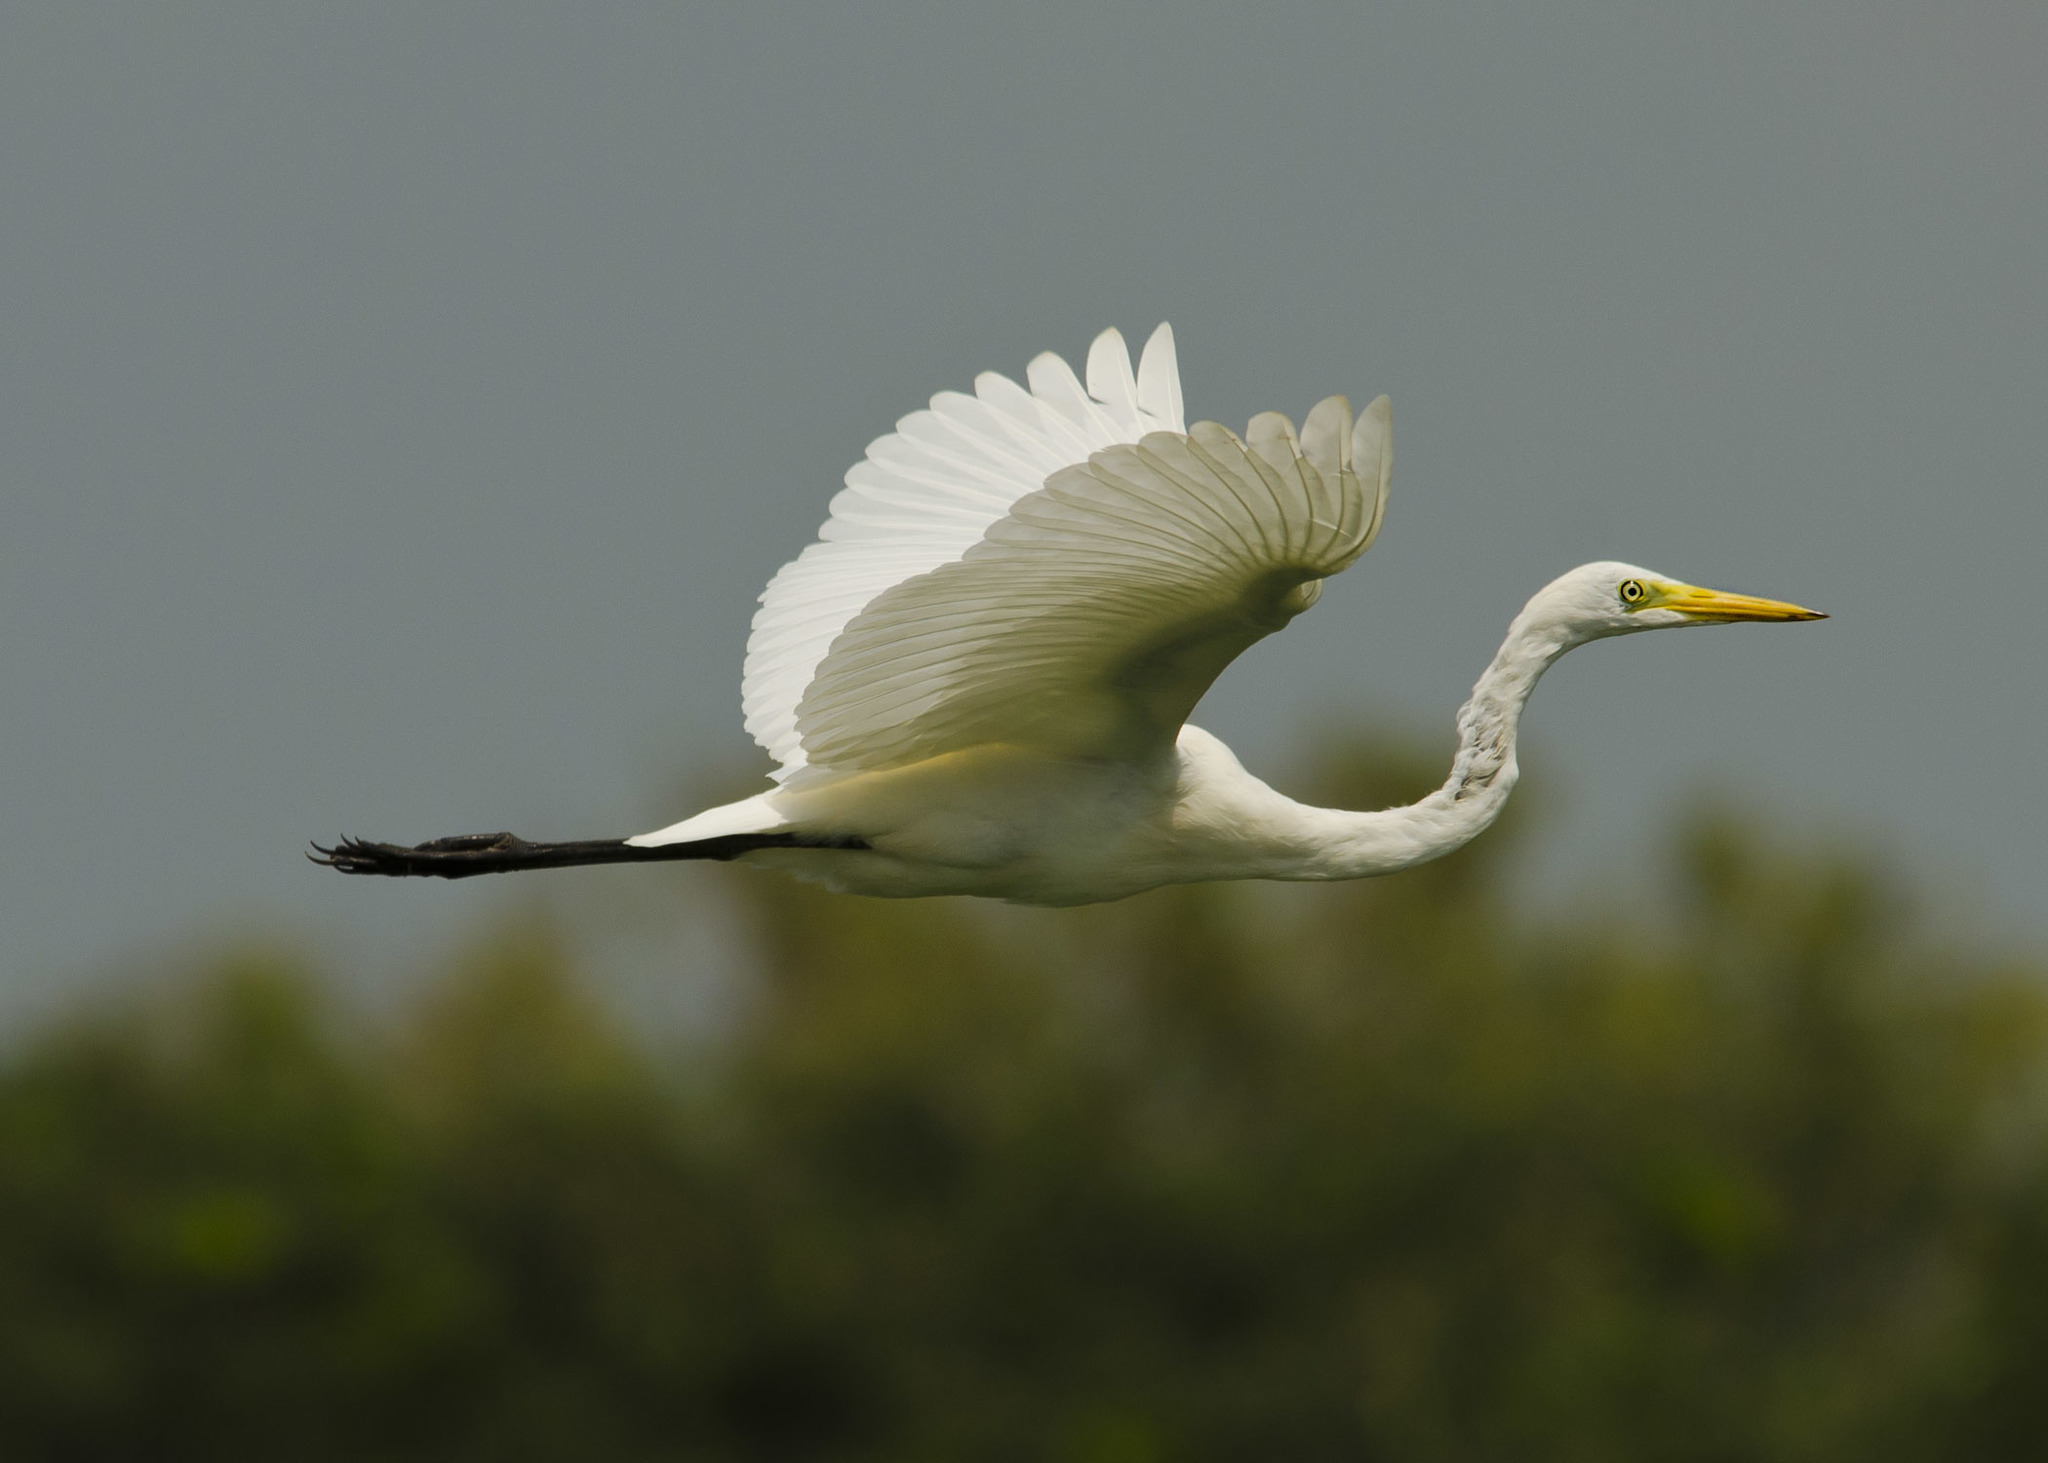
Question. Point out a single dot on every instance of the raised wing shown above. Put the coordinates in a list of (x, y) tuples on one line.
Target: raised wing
[(928, 492), (1090, 618)]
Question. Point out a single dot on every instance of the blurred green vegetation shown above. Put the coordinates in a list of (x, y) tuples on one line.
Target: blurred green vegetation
[(1381, 1171)]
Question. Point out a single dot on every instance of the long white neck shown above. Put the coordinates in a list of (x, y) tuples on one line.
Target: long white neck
[(1328, 843)]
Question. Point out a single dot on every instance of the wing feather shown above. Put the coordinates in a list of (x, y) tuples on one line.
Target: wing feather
[(928, 492), (1110, 382), (1159, 381), (1090, 617)]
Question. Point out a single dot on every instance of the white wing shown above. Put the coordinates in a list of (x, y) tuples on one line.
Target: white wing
[(1091, 617), (928, 492)]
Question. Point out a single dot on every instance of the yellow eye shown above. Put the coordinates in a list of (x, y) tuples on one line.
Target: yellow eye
[(1632, 591)]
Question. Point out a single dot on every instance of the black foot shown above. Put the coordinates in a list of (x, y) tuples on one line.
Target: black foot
[(440, 858)]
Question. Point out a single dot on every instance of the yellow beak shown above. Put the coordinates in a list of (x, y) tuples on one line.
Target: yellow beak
[(1715, 604)]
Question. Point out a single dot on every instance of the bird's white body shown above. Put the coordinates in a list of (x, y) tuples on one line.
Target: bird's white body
[(1013, 823), (977, 680)]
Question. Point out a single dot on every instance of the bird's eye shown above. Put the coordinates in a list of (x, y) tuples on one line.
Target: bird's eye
[(1632, 591)]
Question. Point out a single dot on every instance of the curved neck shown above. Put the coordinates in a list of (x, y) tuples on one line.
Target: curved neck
[(1350, 845)]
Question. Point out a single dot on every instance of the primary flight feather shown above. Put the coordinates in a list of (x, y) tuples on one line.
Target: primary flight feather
[(977, 680)]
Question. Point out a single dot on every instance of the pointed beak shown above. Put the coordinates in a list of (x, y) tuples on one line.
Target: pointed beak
[(1719, 606)]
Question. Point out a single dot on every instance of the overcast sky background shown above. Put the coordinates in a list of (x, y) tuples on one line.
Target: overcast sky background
[(400, 407)]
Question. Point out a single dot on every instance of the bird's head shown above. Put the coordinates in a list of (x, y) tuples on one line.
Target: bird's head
[(1596, 600)]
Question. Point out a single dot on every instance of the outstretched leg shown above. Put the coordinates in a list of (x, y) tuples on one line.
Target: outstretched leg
[(499, 853)]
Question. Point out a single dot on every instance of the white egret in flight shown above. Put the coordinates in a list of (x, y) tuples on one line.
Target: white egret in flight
[(976, 680)]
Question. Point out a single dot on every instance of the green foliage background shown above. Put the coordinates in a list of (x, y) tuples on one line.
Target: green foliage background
[(1383, 1171)]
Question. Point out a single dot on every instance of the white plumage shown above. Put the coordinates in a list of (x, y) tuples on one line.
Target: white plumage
[(977, 680), (924, 496)]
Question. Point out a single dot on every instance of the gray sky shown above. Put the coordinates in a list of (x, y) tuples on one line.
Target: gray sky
[(400, 407)]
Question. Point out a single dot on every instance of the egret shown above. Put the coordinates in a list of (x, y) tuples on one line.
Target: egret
[(977, 680)]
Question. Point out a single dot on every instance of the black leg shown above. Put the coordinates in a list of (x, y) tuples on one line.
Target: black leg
[(468, 854)]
